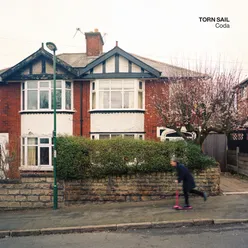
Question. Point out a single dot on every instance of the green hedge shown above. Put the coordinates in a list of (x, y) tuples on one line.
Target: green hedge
[(79, 158)]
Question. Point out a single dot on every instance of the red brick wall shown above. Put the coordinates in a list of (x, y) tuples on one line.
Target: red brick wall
[(85, 109), (10, 121), (152, 120)]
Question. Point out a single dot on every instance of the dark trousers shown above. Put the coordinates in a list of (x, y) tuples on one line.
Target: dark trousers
[(193, 191)]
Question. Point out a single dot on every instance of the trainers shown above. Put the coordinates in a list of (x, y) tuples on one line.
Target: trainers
[(187, 207), (205, 196)]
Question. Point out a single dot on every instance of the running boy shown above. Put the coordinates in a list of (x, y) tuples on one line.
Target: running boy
[(188, 181)]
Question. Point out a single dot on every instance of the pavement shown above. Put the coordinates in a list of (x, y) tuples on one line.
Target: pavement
[(233, 184), (230, 236), (116, 216)]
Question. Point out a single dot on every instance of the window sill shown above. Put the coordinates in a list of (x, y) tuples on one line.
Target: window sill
[(102, 111), (36, 168), (46, 112)]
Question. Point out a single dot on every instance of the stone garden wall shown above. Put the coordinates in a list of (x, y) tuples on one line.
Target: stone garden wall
[(35, 191)]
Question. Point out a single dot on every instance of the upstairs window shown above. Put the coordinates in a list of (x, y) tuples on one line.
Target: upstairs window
[(243, 92), (116, 94), (38, 95)]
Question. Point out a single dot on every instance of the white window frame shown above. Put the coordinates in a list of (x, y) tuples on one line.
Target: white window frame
[(24, 156), (136, 91), (243, 92), (140, 136), (49, 89)]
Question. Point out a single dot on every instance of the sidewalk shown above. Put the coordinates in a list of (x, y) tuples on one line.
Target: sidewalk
[(219, 207), (233, 184)]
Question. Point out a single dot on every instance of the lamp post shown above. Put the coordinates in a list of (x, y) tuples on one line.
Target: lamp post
[(52, 47)]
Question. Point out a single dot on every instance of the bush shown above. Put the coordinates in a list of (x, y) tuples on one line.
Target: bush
[(80, 158)]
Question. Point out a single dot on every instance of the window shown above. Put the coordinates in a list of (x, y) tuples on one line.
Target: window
[(243, 92), (116, 94), (36, 151), (93, 104), (117, 135), (38, 95), (140, 96)]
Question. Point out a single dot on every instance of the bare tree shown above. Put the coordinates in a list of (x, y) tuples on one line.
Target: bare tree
[(9, 159), (202, 102)]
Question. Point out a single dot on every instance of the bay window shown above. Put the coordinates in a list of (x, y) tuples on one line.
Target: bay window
[(36, 151), (38, 95), (117, 94)]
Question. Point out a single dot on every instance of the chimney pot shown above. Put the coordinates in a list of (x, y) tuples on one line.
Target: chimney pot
[(116, 43), (96, 30)]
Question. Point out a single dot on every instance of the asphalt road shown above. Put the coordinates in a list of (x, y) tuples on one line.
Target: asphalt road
[(233, 236)]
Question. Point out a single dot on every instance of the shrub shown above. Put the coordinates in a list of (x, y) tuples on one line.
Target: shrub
[(79, 158)]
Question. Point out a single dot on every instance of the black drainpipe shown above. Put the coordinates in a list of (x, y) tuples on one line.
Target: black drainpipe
[(81, 109)]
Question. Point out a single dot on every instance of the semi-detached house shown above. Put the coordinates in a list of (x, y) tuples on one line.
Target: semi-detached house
[(99, 96)]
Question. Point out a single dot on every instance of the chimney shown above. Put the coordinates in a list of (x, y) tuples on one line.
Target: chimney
[(94, 43)]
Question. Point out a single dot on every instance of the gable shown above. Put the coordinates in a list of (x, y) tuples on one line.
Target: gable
[(38, 66), (116, 64)]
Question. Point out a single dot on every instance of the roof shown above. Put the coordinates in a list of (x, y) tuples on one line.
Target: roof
[(243, 83), (168, 70), (82, 60), (77, 59), (3, 70)]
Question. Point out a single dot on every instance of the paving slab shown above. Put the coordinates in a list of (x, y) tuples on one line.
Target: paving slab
[(233, 185)]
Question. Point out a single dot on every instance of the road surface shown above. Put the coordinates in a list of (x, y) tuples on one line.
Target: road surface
[(232, 236)]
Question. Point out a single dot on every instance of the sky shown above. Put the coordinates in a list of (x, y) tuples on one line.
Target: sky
[(164, 30)]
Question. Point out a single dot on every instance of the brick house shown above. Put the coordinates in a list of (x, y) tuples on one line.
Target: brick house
[(242, 99), (99, 96)]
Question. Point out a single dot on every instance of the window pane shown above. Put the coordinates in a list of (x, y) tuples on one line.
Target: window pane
[(128, 136), (44, 155), (68, 99), (58, 84), (140, 85), (93, 85), (141, 137), (116, 85), (104, 136), (32, 155), (140, 100), (32, 99), (115, 136), (68, 85), (93, 100), (23, 86), (32, 85), (104, 85), (32, 141), (44, 99), (104, 100), (44, 141), (23, 100), (116, 99), (128, 85), (23, 155), (128, 99), (44, 84), (58, 98)]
